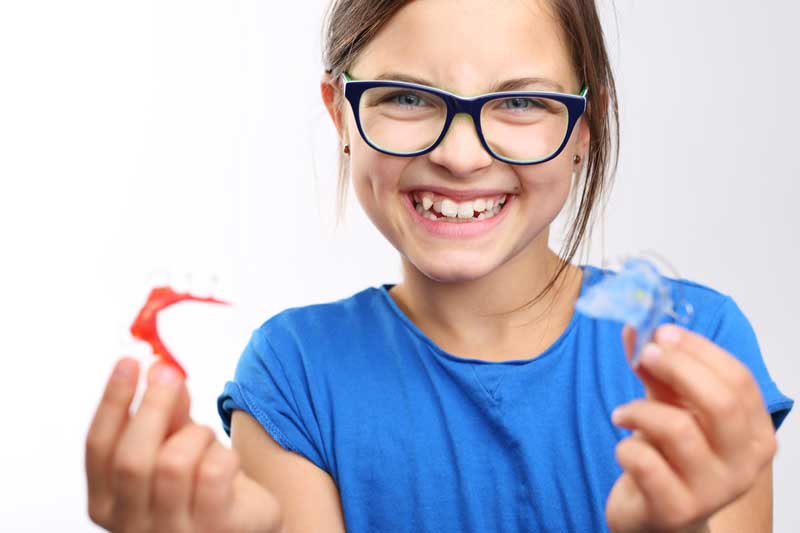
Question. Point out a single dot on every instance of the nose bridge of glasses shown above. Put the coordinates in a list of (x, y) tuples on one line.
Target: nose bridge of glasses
[(461, 107), (466, 125)]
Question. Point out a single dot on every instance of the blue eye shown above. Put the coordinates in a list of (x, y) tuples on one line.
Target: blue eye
[(406, 99), (523, 103)]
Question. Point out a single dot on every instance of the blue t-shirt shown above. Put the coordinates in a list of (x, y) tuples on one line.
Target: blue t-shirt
[(420, 440)]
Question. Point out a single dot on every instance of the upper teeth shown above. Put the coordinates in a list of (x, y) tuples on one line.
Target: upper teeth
[(452, 209)]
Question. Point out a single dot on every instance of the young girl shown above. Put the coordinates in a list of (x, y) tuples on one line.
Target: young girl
[(470, 396)]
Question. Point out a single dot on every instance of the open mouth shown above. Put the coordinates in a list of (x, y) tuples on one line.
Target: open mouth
[(443, 209)]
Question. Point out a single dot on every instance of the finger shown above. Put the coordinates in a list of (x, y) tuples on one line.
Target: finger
[(138, 446), (667, 498), (176, 469), (215, 479), (725, 366), (107, 424), (674, 432), (653, 389), (716, 405), (180, 415), (628, 340)]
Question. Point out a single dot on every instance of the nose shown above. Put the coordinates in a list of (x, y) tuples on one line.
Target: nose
[(461, 151)]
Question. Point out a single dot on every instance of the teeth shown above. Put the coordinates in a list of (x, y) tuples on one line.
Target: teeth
[(452, 211), (449, 208), (465, 210)]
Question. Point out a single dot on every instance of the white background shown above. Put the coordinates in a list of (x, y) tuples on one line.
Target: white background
[(143, 141)]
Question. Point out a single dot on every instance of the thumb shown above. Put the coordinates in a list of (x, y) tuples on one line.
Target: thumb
[(180, 413), (628, 340), (654, 389), (180, 416)]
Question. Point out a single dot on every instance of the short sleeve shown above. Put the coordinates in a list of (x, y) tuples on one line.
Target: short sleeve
[(270, 387), (733, 332)]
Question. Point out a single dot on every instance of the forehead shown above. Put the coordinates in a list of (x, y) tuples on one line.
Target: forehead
[(468, 46)]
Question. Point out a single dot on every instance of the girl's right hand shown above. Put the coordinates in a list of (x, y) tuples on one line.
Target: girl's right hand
[(157, 471)]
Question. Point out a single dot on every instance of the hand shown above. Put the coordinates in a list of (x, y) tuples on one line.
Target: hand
[(157, 471), (700, 437)]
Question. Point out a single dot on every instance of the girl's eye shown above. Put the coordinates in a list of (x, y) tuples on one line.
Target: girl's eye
[(406, 99), (522, 103)]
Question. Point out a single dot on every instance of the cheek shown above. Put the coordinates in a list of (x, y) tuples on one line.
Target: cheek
[(376, 178), (374, 175), (544, 193), (549, 182)]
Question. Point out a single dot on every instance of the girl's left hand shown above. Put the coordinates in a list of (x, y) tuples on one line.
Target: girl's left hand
[(700, 437)]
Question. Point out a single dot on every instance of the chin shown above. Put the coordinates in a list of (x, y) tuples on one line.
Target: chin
[(453, 268)]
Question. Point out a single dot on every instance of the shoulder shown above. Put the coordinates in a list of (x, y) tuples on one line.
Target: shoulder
[(718, 317), (325, 317), (334, 326)]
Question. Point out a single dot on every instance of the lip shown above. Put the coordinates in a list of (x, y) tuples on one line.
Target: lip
[(460, 195), (456, 230)]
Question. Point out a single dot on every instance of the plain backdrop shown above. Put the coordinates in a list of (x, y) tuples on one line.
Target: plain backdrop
[(186, 142)]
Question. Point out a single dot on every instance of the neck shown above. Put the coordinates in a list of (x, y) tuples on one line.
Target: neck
[(490, 315)]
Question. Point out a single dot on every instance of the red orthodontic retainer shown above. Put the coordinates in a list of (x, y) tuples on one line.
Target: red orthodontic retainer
[(145, 327)]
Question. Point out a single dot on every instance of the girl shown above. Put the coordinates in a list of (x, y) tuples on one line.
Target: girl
[(470, 396)]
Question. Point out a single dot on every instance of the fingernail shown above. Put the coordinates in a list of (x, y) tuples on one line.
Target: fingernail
[(124, 369), (165, 374), (617, 415), (668, 334), (650, 352)]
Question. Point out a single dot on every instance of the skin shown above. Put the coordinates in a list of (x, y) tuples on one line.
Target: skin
[(702, 446), (156, 470)]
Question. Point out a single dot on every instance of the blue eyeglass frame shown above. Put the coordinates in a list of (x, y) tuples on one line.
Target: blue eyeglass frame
[(472, 106)]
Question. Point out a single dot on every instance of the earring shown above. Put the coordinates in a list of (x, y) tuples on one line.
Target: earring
[(346, 149), (576, 159)]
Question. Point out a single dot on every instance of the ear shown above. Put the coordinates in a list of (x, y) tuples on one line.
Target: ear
[(329, 89), (582, 144)]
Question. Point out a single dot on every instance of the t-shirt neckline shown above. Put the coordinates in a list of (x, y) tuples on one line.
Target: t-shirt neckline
[(588, 274)]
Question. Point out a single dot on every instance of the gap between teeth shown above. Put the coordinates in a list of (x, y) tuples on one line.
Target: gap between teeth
[(453, 211)]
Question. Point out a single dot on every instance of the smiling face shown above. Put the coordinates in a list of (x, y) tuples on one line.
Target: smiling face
[(467, 47)]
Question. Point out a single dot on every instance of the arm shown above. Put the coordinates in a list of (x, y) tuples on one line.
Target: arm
[(308, 496), (751, 512)]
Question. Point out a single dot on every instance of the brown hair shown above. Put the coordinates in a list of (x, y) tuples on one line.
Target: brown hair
[(351, 24)]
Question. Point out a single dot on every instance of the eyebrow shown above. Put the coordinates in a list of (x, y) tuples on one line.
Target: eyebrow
[(515, 84)]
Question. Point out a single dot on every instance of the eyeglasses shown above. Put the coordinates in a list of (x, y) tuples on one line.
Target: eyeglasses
[(517, 127)]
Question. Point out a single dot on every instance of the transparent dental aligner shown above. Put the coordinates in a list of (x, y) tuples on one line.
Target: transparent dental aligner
[(638, 295)]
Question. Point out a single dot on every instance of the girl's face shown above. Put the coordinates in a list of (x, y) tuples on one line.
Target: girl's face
[(465, 47)]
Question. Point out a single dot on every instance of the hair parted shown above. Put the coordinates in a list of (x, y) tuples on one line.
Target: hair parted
[(351, 24)]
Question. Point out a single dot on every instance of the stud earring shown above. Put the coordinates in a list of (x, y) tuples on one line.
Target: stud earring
[(346, 149), (576, 159)]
